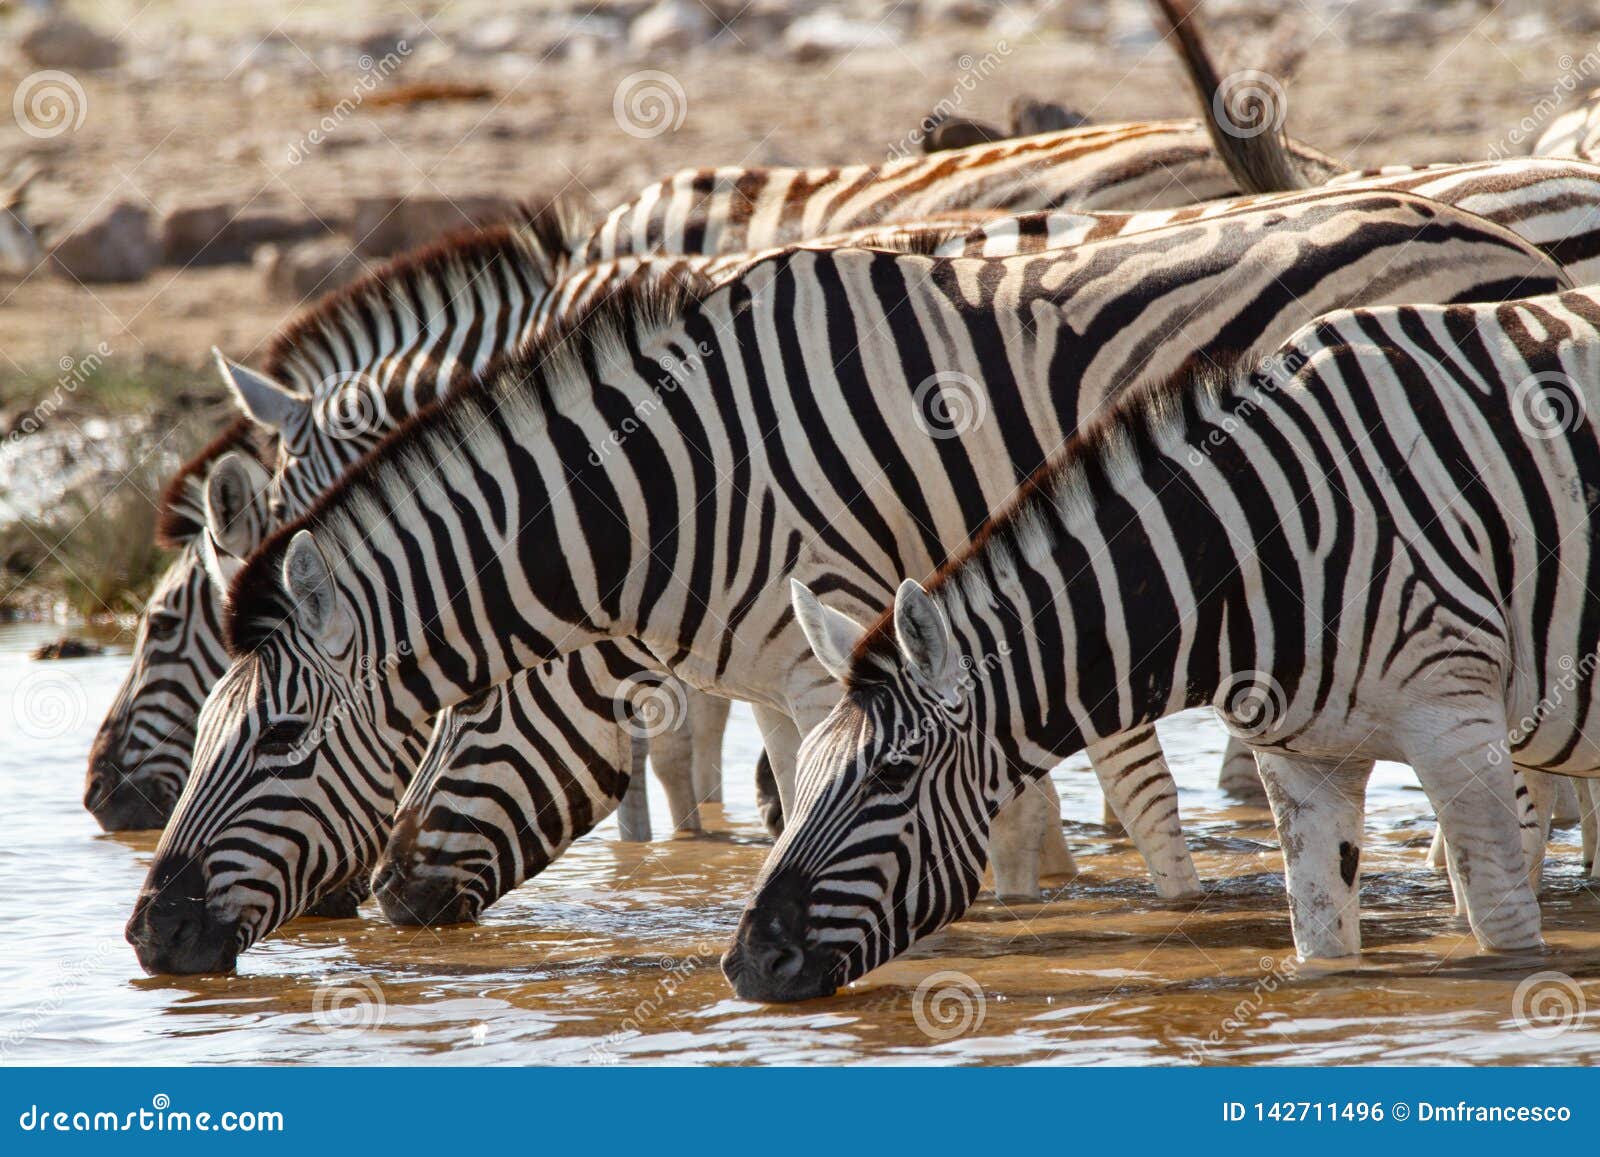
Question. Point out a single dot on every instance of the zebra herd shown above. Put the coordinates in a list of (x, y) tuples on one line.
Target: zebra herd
[(1166, 415)]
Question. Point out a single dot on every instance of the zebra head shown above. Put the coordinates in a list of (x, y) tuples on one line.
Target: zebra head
[(140, 757), (895, 792), (292, 785), (320, 434)]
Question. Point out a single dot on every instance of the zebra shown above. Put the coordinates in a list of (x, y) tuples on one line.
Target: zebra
[(1376, 543), (435, 864), (139, 758), (1553, 203), (1575, 133), (497, 530)]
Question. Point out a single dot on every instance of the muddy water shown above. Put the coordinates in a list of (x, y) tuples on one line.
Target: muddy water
[(610, 955)]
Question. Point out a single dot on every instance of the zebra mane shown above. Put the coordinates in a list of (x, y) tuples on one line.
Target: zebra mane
[(181, 515), (1151, 417), (536, 239), (557, 362)]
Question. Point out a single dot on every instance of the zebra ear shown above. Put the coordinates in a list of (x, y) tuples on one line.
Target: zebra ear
[(236, 515), (832, 634), (220, 566), (309, 581), (264, 401), (922, 632)]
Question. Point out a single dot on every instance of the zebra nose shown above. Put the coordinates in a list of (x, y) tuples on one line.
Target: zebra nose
[(769, 960), (173, 931), (421, 900), (116, 801)]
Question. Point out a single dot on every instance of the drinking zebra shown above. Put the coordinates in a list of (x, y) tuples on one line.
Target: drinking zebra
[(793, 421), (1376, 543), (430, 338), (434, 864)]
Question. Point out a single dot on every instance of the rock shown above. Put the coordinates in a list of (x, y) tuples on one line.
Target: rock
[(579, 37), (67, 647), (64, 43), (384, 226), (827, 33), (506, 33), (308, 270), (219, 234), (960, 133), (1030, 117), (114, 245), (974, 13), (672, 26)]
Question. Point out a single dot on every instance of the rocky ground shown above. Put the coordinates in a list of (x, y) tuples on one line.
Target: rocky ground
[(199, 169)]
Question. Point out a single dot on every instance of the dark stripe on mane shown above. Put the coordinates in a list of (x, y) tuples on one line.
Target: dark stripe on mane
[(257, 602)]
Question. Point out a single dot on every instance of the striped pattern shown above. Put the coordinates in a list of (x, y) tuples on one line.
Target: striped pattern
[(1379, 543), (1143, 164), (488, 536), (1575, 133), (1554, 204)]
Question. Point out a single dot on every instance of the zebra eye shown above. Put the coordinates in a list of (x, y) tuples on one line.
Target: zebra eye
[(164, 624), (282, 737)]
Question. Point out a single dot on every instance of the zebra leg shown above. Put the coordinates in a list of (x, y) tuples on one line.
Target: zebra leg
[(782, 739), (767, 797), (1481, 814), (672, 760), (1533, 829), (1536, 795), (1025, 842), (1567, 809), (1240, 778), (1055, 856), (633, 813), (1589, 817), (708, 720), (1319, 809), (1140, 789)]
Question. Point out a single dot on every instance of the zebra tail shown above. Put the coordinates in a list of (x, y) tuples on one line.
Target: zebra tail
[(1255, 153)]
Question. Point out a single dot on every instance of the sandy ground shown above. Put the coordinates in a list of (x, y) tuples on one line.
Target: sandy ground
[(192, 128)]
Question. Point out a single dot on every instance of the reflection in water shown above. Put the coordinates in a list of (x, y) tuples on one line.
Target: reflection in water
[(611, 955)]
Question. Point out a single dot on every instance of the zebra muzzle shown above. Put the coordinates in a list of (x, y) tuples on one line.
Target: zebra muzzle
[(174, 932)]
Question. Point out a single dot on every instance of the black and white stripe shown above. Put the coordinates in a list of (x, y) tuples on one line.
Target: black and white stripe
[(1377, 544), (785, 426)]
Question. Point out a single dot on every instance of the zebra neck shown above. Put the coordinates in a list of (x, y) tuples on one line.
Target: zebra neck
[(1124, 590)]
